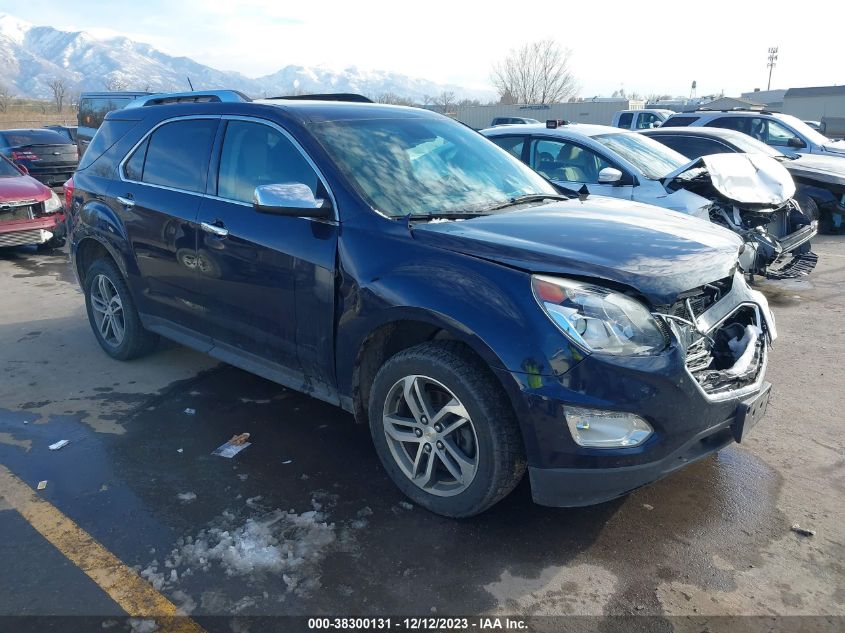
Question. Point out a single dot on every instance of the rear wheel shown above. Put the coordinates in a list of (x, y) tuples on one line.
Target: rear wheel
[(112, 313), (444, 431)]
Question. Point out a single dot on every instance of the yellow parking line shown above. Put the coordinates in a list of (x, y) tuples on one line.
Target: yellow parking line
[(134, 594)]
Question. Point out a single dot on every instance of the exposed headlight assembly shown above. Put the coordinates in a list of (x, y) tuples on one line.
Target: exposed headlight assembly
[(53, 203), (597, 319)]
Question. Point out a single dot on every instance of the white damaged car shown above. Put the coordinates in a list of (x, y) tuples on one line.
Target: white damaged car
[(750, 194)]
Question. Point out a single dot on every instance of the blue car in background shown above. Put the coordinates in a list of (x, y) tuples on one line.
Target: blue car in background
[(395, 263)]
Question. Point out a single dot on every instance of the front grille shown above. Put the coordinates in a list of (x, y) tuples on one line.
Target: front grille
[(13, 213), (700, 299), (713, 366), (21, 238)]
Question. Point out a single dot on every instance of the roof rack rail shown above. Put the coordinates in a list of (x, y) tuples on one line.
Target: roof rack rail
[(198, 96), (336, 96), (761, 110)]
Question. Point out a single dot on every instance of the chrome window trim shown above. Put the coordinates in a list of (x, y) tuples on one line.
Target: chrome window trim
[(225, 117)]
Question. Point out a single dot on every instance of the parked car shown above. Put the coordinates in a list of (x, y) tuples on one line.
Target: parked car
[(833, 127), (820, 179), (394, 262), (68, 131), (511, 120), (750, 195), (784, 132), (30, 212), (816, 125), (47, 155), (93, 107), (643, 119)]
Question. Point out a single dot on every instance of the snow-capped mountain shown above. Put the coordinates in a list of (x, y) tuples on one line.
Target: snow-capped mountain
[(33, 56)]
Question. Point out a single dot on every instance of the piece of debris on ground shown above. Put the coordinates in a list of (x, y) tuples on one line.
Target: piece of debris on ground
[(42, 484), (234, 446), (802, 531), (58, 445), (186, 497), (190, 411)]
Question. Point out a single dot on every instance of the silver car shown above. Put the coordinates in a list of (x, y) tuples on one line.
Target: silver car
[(749, 194)]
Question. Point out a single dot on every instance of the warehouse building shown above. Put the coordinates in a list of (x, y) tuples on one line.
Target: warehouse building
[(597, 110), (816, 103)]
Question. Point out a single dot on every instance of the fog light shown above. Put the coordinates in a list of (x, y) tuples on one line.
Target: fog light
[(596, 428)]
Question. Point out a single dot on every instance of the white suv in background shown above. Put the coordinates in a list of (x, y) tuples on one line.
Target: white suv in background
[(789, 134)]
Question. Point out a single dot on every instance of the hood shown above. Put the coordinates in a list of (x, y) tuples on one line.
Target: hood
[(835, 147), (827, 169), (657, 252), (14, 188), (752, 179)]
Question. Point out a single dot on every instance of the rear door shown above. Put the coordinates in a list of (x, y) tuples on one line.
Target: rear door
[(267, 281), (162, 181)]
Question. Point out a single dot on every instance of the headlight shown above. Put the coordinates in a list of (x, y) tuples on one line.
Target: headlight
[(597, 319), (53, 204)]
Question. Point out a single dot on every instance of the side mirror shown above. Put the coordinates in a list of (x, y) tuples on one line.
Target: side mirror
[(23, 170), (292, 199), (796, 142), (609, 176)]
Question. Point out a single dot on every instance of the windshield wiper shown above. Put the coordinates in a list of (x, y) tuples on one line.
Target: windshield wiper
[(446, 215), (526, 199)]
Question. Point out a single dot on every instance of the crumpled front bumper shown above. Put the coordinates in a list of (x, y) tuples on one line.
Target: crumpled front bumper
[(689, 423)]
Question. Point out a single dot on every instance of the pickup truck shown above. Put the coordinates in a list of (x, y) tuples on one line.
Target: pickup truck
[(640, 119)]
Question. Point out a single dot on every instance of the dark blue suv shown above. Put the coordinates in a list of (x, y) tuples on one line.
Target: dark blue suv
[(395, 263)]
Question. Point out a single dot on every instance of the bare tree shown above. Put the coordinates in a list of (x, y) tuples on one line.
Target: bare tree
[(59, 89), (114, 83), (393, 98), (446, 101), (537, 72), (5, 98)]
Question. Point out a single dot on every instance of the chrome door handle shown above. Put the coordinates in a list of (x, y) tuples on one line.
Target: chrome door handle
[(126, 202), (219, 231)]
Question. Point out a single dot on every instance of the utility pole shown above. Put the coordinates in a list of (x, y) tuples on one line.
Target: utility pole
[(773, 58)]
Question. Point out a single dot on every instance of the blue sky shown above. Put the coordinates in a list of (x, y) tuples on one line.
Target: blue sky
[(721, 44)]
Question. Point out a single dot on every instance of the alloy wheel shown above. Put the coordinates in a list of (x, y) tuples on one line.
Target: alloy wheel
[(430, 435), (107, 308)]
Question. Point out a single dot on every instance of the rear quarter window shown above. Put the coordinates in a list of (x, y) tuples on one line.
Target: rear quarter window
[(110, 132)]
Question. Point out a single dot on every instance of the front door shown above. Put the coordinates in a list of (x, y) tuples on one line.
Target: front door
[(257, 269), (571, 165)]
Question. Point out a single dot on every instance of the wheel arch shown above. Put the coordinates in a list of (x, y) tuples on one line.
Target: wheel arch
[(404, 329)]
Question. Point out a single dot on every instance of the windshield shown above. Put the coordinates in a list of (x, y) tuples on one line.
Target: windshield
[(804, 130), (652, 158), (7, 169), (426, 166), (19, 138)]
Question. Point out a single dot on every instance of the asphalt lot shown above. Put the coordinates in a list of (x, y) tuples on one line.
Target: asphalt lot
[(304, 522)]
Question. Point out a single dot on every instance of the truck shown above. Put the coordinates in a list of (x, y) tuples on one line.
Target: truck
[(640, 119)]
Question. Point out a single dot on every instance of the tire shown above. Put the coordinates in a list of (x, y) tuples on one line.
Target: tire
[(809, 207), (490, 436), (103, 280)]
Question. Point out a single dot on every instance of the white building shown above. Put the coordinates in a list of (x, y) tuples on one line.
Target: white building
[(598, 110)]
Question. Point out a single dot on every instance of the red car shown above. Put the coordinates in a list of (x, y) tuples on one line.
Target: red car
[(30, 212)]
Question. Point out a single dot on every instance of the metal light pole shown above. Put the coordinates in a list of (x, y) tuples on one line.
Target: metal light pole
[(773, 58)]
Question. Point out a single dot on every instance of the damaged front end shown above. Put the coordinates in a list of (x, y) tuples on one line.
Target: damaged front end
[(752, 196), (726, 329)]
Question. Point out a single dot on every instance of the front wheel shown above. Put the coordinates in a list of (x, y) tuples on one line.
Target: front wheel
[(444, 430)]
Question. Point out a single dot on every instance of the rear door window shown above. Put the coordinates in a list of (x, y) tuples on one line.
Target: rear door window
[(625, 120), (177, 154), (255, 154)]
